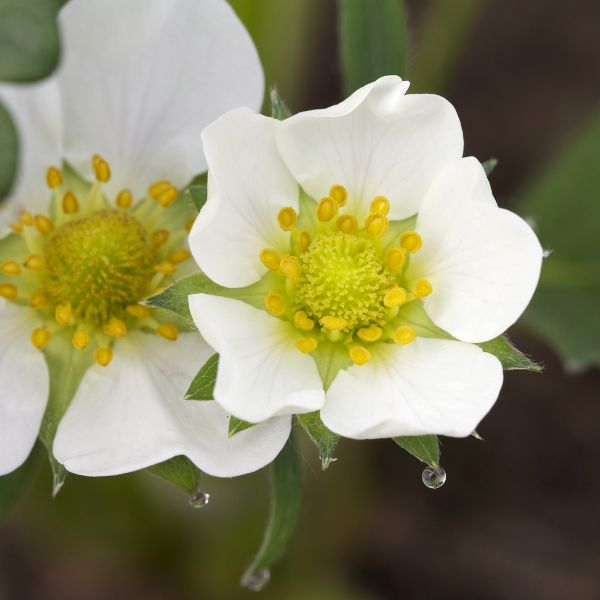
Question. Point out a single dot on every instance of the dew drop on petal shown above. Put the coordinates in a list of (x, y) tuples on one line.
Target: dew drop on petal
[(199, 499), (256, 581), (434, 477)]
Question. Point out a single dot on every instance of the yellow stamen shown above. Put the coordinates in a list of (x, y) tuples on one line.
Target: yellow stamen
[(339, 193), (190, 223), (80, 340), (101, 169), (380, 206), (270, 258), (275, 304), (103, 356), (422, 288), (63, 314), (167, 331), (115, 328), (287, 218), (395, 297), (165, 267), (179, 256), (306, 344), (34, 262), (370, 334), (411, 241), (376, 225), (17, 227), (167, 197), (290, 267), (347, 224), (39, 300), (303, 322), (158, 187), (394, 258), (138, 310), (124, 199), (359, 355), (43, 224), (26, 217), (405, 334), (8, 291), (54, 178), (302, 242), (327, 209), (40, 337), (334, 323), (160, 237), (10, 267), (70, 205)]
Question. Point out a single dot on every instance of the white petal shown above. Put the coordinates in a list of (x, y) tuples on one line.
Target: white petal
[(378, 142), (248, 184), (261, 372), (132, 414), (142, 78), (483, 262), (36, 113), (430, 386), (25, 386)]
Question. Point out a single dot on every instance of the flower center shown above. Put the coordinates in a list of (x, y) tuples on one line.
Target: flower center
[(100, 264)]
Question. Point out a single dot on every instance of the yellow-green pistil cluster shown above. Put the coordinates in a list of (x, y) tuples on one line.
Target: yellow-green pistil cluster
[(341, 284), (89, 268)]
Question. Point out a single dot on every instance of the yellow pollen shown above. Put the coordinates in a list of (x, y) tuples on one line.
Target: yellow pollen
[(160, 237), (103, 356), (17, 227), (43, 224), (39, 300), (394, 259), (306, 344), (290, 267), (334, 323), (303, 322), (190, 223), (167, 331), (167, 197), (70, 205), (422, 288), (124, 199), (380, 206), (359, 355), (63, 314), (10, 267), (411, 241), (327, 209), (40, 337), (115, 328), (405, 334), (376, 225), (270, 258), (370, 334), (80, 340), (26, 217), (54, 178), (34, 262), (165, 267), (339, 193), (275, 304), (101, 169), (287, 218), (8, 291), (395, 297), (179, 256), (158, 187), (302, 241), (347, 224), (138, 310)]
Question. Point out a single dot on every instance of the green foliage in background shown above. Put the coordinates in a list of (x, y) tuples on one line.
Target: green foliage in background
[(8, 154)]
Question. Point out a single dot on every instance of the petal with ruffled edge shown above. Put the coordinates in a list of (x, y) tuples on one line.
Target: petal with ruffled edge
[(483, 262), (261, 373), (430, 386), (25, 386), (247, 186), (141, 79), (132, 414), (36, 113), (377, 142)]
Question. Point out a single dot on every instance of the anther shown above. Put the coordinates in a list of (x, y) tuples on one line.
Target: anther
[(139, 311), (347, 224), (17, 227), (43, 224), (380, 206), (359, 355), (160, 237), (190, 223), (404, 335), (103, 356), (54, 178), (411, 241), (370, 334), (287, 218), (178, 256), (80, 340), (39, 300), (333, 323), (395, 297), (339, 193), (303, 322), (164, 192), (101, 169), (290, 267), (34, 262), (327, 209), (306, 344), (376, 225), (302, 241), (10, 267), (63, 314), (124, 199), (270, 258), (422, 288), (167, 331), (115, 328), (394, 258), (70, 205), (275, 303), (165, 267), (40, 337), (26, 217), (8, 291)]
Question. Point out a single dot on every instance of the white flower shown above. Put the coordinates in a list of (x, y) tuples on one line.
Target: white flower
[(382, 258), (139, 81)]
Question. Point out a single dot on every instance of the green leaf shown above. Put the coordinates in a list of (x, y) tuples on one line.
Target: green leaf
[(8, 156), (203, 386), (426, 448), (286, 498), (237, 425), (29, 39), (180, 471), (510, 357), (563, 204), (326, 441), (372, 40), (279, 109), (489, 165), (197, 194), (13, 484)]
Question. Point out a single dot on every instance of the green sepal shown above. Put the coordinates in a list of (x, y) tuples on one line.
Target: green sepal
[(510, 357), (179, 471), (279, 109), (286, 499), (8, 156), (237, 426), (425, 448), (203, 386), (489, 165), (196, 194), (13, 484), (326, 441)]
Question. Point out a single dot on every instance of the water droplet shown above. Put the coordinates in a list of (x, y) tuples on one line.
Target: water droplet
[(547, 253), (256, 581), (434, 478), (199, 499)]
